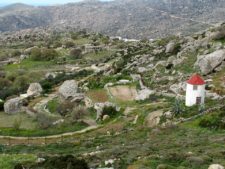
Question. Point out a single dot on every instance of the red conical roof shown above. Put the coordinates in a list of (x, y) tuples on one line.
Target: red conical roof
[(196, 80)]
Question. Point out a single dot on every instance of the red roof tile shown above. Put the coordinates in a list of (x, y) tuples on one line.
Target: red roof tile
[(196, 80)]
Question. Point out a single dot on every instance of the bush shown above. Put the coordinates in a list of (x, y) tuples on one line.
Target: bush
[(17, 123), (64, 108), (76, 53), (69, 44), (44, 54), (213, 121), (109, 110)]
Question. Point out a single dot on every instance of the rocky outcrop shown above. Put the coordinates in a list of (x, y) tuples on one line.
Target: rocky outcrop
[(34, 89), (13, 106), (144, 94), (69, 89), (208, 63), (178, 88)]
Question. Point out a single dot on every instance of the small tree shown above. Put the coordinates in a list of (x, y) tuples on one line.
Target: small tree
[(17, 123), (178, 107), (76, 53), (35, 54), (69, 44)]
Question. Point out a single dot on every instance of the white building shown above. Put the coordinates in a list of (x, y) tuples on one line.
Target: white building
[(195, 91)]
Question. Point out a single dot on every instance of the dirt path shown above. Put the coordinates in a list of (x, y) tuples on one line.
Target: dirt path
[(124, 93)]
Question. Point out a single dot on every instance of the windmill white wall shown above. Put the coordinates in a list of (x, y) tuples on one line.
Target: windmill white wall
[(192, 95)]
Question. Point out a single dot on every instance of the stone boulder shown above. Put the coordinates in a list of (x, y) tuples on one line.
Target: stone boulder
[(144, 94), (208, 63), (13, 106), (69, 89), (217, 34), (153, 118), (34, 89), (216, 166), (170, 47)]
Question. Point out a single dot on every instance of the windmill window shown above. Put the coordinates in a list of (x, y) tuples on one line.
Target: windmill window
[(195, 87)]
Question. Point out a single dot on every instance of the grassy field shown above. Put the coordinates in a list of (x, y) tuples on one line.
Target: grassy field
[(8, 121), (29, 65), (98, 56)]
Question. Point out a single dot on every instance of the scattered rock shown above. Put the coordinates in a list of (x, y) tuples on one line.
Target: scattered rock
[(109, 162), (105, 117), (40, 160), (196, 161), (50, 75), (216, 166), (178, 88), (34, 89), (153, 118), (171, 46), (13, 106), (144, 94)]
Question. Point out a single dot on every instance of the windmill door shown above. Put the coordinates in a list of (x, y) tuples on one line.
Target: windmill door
[(198, 100)]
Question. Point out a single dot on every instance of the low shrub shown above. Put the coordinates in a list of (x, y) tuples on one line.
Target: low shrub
[(213, 121), (109, 110)]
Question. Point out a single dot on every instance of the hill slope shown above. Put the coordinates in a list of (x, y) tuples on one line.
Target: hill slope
[(129, 18)]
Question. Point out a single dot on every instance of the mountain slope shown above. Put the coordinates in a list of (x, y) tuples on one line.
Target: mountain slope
[(129, 18)]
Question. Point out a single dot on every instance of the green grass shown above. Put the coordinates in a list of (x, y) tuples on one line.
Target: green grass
[(29, 65), (8, 161), (82, 41), (54, 130), (53, 105), (98, 56), (7, 121)]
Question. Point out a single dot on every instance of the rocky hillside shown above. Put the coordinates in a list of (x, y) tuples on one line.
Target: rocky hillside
[(90, 97), (126, 18)]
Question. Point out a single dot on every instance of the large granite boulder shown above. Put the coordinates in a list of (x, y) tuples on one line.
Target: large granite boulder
[(69, 90), (13, 106), (170, 47), (34, 89), (208, 63), (216, 166)]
